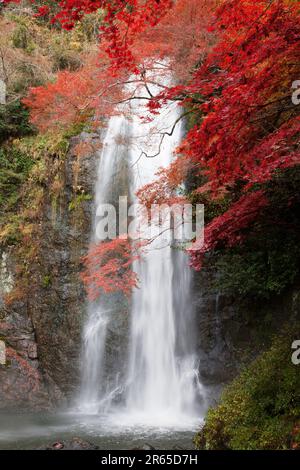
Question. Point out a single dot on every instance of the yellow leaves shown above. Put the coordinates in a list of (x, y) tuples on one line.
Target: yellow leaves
[(9, 232), (39, 172), (76, 46), (43, 145)]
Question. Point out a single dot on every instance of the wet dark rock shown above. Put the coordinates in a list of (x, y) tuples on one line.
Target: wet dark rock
[(145, 447), (76, 443), (58, 305), (21, 384), (44, 329), (231, 332)]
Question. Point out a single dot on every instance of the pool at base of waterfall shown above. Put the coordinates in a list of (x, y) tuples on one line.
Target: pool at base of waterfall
[(37, 430)]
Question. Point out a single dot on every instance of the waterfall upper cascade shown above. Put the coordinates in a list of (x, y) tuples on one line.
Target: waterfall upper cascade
[(160, 386)]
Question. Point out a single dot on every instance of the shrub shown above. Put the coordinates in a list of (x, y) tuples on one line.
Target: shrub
[(14, 121), (14, 169), (21, 38), (261, 267), (268, 260), (261, 408)]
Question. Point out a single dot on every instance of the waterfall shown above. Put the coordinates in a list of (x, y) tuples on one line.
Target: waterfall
[(93, 394), (162, 377), (160, 385)]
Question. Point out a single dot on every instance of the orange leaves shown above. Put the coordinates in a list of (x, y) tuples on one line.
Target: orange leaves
[(163, 189), (74, 96), (108, 268), (63, 102)]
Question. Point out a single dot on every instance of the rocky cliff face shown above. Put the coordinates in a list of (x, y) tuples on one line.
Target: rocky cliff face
[(58, 305), (42, 327), (232, 332), (42, 331), (20, 382)]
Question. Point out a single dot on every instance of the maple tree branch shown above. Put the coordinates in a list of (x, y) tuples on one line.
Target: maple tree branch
[(163, 135), (270, 102)]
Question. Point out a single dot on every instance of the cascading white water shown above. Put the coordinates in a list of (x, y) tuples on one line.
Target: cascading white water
[(162, 380), (93, 396), (161, 385)]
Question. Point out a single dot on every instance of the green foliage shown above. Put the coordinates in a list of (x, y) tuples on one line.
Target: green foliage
[(78, 200), (46, 281), (21, 38), (27, 76), (194, 116), (10, 232), (14, 169), (213, 207), (41, 146), (14, 121), (261, 267), (75, 129), (64, 58), (260, 409), (90, 25), (268, 260), (27, 167), (53, 9)]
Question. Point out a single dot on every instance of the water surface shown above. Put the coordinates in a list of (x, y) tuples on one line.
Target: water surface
[(31, 431)]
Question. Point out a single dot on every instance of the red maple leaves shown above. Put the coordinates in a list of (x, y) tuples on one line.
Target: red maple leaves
[(250, 126), (245, 88), (75, 96), (240, 90), (163, 189), (108, 268), (122, 21)]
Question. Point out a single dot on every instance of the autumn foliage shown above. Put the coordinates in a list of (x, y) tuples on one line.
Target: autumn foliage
[(122, 21), (163, 189), (234, 63), (108, 268), (250, 127), (74, 96)]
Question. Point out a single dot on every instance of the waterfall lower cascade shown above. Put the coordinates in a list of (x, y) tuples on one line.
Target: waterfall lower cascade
[(160, 386)]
